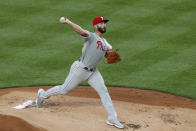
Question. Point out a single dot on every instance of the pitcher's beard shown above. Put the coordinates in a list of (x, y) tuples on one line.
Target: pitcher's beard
[(101, 30)]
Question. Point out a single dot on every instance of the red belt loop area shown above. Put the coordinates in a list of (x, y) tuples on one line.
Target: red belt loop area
[(86, 68)]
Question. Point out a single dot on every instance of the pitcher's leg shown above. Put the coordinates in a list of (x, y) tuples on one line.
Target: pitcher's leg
[(97, 82), (70, 83), (72, 80)]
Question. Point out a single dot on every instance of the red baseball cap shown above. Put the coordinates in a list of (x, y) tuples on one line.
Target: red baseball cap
[(99, 19)]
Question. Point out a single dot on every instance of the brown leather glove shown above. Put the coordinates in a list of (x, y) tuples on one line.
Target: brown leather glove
[(112, 57)]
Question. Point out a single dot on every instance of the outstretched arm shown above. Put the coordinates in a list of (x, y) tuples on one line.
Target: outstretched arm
[(75, 27)]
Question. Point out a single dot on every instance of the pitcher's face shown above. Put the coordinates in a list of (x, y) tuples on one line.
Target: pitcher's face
[(101, 27)]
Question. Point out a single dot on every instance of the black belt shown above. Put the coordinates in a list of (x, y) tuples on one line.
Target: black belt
[(86, 68)]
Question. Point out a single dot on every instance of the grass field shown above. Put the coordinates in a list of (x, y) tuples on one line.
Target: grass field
[(156, 38)]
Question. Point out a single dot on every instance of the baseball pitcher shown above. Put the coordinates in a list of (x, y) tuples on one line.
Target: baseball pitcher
[(85, 69)]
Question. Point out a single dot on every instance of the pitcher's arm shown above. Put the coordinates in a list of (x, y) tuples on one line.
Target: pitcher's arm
[(75, 27)]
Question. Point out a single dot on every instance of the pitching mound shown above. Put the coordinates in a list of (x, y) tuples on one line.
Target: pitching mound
[(82, 110), (11, 123)]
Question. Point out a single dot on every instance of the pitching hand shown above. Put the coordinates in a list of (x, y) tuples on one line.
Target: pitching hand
[(64, 20)]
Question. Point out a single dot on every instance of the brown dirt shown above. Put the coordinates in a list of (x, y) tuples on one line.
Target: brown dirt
[(11, 123), (81, 110)]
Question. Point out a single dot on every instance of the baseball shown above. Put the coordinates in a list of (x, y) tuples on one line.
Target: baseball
[(62, 18)]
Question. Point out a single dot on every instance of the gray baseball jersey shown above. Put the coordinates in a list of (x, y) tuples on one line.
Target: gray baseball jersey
[(94, 50)]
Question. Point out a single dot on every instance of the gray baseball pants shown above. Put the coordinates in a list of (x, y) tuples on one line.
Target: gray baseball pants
[(78, 74)]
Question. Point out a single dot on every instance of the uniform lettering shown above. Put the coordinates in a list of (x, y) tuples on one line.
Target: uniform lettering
[(99, 43)]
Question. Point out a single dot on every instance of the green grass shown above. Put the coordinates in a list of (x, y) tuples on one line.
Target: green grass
[(156, 38)]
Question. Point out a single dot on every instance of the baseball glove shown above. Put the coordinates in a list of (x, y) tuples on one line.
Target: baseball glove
[(112, 57)]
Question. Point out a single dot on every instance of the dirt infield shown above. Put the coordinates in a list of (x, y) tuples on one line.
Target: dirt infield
[(141, 110)]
